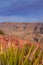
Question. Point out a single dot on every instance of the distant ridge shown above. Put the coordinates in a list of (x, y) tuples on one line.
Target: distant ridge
[(24, 30)]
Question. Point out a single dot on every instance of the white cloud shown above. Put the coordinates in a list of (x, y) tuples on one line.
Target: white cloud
[(20, 19)]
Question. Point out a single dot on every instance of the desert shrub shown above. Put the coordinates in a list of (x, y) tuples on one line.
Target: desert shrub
[(1, 32), (27, 55)]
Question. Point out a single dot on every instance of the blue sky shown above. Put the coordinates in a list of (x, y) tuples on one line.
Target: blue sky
[(21, 10)]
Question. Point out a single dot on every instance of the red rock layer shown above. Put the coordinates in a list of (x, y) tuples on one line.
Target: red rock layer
[(6, 41)]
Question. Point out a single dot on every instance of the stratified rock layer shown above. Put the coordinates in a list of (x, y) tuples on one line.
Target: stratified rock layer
[(7, 41)]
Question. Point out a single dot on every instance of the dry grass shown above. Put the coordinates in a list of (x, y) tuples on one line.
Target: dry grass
[(24, 55)]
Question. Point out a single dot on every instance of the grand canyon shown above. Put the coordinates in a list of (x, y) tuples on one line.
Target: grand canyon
[(21, 41), (32, 32)]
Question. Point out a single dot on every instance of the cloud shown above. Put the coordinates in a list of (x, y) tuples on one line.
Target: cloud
[(15, 7), (21, 19), (15, 3), (31, 9)]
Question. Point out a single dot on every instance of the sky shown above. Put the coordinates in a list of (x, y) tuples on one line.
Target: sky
[(21, 10)]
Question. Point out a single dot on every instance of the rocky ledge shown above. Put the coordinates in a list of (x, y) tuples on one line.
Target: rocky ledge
[(6, 41)]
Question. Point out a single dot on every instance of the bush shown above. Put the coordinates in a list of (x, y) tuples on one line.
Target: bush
[(27, 55), (1, 33)]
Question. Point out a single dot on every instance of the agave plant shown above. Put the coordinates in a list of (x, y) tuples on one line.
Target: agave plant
[(27, 55)]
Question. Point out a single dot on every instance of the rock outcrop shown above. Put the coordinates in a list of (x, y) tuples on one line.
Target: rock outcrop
[(32, 32), (7, 41)]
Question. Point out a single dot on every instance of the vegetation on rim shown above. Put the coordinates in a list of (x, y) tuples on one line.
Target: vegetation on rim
[(1, 33)]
